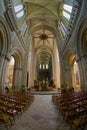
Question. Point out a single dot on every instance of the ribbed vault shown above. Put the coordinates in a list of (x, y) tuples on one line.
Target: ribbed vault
[(43, 15), (47, 25), (43, 41), (48, 22)]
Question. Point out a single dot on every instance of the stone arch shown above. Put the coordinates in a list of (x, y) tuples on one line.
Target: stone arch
[(4, 48), (74, 67), (69, 58), (73, 70), (37, 27), (18, 68), (5, 37), (18, 56), (49, 28), (82, 51), (81, 38)]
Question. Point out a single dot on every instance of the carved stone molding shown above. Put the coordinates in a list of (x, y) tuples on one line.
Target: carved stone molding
[(77, 4), (7, 58), (9, 15), (11, 19)]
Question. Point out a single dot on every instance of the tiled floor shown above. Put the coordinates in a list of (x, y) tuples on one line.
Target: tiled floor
[(41, 115)]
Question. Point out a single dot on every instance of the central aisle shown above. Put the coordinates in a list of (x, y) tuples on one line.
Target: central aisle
[(41, 115)]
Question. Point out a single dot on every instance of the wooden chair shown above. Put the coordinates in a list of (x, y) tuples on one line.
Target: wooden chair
[(79, 122), (5, 120)]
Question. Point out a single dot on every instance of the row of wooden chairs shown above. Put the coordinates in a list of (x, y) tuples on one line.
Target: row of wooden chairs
[(12, 105), (73, 108)]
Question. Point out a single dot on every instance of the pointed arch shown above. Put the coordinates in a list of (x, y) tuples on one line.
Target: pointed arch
[(18, 56), (82, 51), (81, 36), (5, 35)]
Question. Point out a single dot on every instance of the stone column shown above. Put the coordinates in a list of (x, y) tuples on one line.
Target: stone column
[(73, 77), (68, 76), (32, 69), (62, 72), (25, 62), (53, 68), (57, 69), (35, 74), (24, 74), (4, 60), (82, 63), (17, 78)]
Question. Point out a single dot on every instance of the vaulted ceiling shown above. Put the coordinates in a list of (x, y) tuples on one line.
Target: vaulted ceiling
[(42, 17), (43, 12), (43, 45)]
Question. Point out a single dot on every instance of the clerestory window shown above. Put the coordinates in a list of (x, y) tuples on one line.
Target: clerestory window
[(19, 10)]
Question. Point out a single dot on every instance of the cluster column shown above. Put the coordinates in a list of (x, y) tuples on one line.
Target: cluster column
[(82, 63)]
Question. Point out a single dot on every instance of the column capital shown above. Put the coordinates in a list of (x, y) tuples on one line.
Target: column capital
[(7, 58)]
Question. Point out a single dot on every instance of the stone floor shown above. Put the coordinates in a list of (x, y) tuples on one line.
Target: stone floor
[(41, 115)]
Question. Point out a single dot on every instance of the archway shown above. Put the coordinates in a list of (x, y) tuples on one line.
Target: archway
[(82, 52), (17, 75), (4, 48), (75, 72), (10, 72), (13, 70), (72, 70), (76, 76)]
